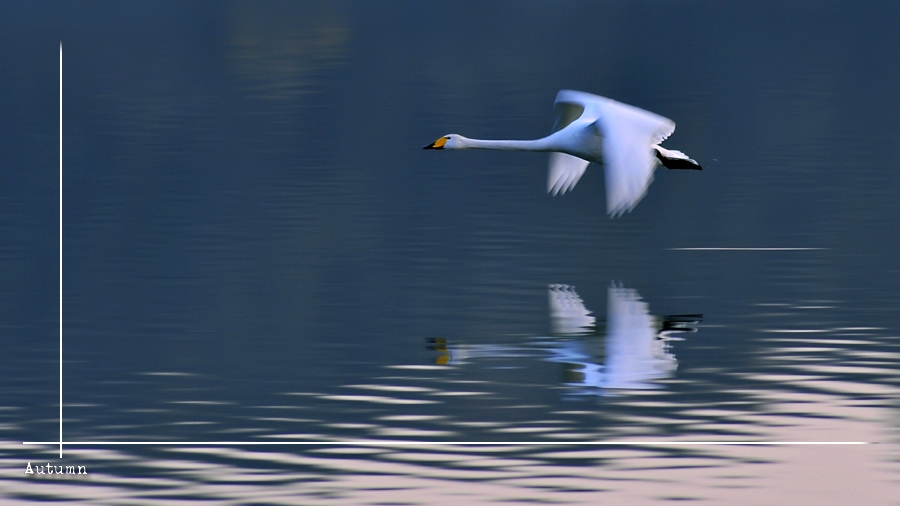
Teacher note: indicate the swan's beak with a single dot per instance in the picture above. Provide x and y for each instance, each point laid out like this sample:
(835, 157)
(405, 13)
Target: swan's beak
(438, 144)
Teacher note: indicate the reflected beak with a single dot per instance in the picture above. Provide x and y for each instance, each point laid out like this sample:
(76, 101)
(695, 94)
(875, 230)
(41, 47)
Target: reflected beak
(438, 144)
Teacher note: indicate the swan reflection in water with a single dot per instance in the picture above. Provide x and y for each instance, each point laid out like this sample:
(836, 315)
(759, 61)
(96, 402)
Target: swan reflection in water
(634, 355)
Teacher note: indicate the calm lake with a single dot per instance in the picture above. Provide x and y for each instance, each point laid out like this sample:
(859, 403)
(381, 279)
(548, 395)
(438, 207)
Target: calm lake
(257, 252)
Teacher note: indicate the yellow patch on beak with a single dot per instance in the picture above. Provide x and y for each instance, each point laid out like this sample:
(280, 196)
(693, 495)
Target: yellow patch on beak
(438, 144)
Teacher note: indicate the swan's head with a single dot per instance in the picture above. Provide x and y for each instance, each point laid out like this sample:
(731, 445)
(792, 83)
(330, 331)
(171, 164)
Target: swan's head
(449, 141)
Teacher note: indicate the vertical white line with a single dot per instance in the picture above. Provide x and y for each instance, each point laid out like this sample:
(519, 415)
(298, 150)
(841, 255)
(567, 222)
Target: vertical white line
(60, 252)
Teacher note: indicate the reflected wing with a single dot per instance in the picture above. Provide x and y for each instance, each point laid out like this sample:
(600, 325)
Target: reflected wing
(567, 312)
(565, 171)
(629, 135)
(633, 357)
(627, 315)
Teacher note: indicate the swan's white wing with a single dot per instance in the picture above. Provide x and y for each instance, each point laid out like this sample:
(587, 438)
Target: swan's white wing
(629, 135)
(565, 171)
(633, 357)
(629, 166)
(567, 110)
(567, 312)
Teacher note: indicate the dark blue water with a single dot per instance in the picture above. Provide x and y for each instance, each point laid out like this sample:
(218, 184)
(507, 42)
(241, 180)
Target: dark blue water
(256, 249)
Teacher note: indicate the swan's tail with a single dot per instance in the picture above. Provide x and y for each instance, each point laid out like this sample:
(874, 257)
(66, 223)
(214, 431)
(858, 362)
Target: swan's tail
(673, 159)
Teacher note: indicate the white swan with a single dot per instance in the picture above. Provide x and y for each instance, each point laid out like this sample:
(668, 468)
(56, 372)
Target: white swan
(590, 128)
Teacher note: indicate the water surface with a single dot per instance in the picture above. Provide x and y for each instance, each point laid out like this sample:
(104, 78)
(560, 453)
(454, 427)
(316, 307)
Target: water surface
(257, 249)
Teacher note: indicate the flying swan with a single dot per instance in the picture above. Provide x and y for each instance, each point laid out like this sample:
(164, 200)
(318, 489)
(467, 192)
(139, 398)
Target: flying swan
(590, 128)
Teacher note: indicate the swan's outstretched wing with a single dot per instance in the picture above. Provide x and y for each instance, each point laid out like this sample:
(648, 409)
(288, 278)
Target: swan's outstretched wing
(567, 109)
(633, 354)
(568, 316)
(629, 134)
(565, 170)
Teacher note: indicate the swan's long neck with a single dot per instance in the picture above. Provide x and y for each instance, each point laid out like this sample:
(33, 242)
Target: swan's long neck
(535, 145)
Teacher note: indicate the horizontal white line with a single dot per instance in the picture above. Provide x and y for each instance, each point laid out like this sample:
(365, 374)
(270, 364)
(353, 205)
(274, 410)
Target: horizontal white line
(747, 249)
(443, 443)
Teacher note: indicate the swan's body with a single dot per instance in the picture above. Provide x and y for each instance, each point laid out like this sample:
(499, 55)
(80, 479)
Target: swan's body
(590, 128)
